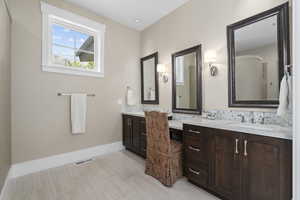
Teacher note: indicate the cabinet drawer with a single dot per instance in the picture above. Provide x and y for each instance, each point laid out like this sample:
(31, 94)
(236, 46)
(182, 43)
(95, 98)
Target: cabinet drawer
(195, 131)
(195, 149)
(195, 155)
(197, 141)
(197, 175)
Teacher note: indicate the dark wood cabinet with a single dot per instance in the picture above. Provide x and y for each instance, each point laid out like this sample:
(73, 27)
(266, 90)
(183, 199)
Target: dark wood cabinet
(196, 155)
(238, 166)
(266, 168)
(226, 164)
(230, 165)
(136, 134)
(132, 133)
(127, 131)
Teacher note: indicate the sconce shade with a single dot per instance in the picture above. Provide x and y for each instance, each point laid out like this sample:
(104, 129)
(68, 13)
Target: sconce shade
(161, 68)
(210, 57)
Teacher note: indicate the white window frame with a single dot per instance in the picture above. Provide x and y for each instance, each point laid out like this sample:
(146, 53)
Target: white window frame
(53, 15)
(180, 70)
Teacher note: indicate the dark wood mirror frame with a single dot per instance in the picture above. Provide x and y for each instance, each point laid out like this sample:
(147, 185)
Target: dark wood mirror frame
(282, 12)
(156, 101)
(198, 51)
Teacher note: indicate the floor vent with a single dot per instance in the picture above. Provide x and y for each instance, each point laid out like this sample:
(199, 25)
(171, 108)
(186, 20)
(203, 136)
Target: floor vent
(83, 162)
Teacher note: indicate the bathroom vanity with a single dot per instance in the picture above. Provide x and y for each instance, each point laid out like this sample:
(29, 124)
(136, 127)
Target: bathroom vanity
(236, 165)
(230, 160)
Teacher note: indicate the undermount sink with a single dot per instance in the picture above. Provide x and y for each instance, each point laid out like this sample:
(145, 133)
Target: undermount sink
(254, 126)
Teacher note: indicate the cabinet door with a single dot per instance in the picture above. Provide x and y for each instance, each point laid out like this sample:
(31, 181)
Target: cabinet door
(136, 134)
(266, 168)
(127, 132)
(226, 166)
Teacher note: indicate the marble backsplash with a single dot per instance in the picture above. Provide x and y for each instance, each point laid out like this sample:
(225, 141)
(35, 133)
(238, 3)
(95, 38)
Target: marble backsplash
(256, 117)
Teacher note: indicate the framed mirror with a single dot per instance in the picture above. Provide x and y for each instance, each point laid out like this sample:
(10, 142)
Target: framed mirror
(149, 86)
(187, 83)
(258, 51)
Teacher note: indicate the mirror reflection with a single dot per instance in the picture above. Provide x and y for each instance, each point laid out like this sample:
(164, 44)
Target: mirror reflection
(186, 81)
(149, 80)
(187, 87)
(256, 61)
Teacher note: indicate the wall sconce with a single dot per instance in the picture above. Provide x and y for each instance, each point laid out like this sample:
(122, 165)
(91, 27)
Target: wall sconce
(211, 58)
(161, 69)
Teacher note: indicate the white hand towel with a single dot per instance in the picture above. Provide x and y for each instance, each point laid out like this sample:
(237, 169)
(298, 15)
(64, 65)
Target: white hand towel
(283, 97)
(78, 113)
(290, 96)
(130, 97)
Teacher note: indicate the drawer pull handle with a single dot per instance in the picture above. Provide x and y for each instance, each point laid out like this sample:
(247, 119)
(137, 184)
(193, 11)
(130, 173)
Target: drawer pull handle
(236, 146)
(194, 172)
(194, 149)
(197, 132)
(245, 148)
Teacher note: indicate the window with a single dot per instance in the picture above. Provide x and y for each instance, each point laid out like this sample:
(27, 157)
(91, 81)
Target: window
(180, 70)
(71, 44)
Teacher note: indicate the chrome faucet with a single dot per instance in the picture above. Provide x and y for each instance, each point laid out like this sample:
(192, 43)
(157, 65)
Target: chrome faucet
(252, 121)
(242, 118)
(263, 120)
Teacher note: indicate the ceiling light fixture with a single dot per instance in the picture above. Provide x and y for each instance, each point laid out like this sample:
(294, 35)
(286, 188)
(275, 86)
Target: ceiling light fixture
(137, 20)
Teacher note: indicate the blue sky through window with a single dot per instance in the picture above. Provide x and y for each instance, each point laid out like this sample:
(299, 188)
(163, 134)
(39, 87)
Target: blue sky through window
(66, 42)
(68, 37)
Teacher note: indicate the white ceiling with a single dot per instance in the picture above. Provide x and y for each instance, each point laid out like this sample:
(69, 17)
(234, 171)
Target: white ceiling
(127, 12)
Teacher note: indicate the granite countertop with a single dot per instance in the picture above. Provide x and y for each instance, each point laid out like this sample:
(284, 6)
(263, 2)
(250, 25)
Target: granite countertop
(139, 114)
(256, 129)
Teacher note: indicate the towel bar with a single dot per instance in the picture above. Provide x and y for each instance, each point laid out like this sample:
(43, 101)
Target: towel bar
(69, 94)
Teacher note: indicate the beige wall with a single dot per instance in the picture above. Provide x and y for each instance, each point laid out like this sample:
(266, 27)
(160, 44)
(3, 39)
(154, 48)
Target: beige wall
(41, 119)
(5, 132)
(200, 22)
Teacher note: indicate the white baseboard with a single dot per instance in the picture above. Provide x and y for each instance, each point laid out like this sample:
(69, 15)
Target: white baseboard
(22, 169)
(2, 192)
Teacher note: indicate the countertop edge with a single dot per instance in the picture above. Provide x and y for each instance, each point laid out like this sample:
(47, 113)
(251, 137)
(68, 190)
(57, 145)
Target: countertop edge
(276, 134)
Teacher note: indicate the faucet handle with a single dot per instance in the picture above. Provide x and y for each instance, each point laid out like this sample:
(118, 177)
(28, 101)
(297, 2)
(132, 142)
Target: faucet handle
(263, 120)
(242, 118)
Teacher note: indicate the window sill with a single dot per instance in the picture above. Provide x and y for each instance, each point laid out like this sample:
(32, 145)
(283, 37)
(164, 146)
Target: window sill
(69, 71)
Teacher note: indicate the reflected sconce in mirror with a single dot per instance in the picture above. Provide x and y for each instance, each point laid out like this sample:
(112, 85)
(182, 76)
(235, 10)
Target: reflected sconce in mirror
(162, 70)
(211, 58)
